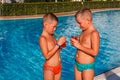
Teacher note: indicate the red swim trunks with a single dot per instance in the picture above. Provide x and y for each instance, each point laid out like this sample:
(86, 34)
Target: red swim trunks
(54, 69)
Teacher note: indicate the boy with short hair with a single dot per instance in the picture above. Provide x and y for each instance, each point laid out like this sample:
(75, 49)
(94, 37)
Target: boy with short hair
(51, 48)
(87, 46)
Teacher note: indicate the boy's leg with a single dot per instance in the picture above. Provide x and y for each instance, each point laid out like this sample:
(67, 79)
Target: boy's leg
(77, 74)
(48, 75)
(88, 75)
(58, 76)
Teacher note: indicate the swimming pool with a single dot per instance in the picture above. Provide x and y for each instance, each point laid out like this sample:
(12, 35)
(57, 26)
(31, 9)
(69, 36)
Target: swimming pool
(21, 58)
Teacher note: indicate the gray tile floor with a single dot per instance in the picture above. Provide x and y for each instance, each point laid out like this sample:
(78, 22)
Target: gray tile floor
(110, 75)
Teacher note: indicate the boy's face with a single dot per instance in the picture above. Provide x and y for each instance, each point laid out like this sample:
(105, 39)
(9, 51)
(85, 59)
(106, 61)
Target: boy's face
(82, 23)
(50, 27)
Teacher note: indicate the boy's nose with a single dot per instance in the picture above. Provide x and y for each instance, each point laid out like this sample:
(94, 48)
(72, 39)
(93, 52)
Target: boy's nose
(54, 29)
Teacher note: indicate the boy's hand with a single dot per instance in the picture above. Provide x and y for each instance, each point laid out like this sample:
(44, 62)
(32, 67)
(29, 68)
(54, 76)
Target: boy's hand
(75, 42)
(61, 40)
(75, 37)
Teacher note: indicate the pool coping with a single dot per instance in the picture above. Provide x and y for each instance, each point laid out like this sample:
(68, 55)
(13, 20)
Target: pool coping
(58, 14)
(113, 74)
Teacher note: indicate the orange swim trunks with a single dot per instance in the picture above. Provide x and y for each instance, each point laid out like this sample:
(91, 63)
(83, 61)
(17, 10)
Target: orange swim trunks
(54, 69)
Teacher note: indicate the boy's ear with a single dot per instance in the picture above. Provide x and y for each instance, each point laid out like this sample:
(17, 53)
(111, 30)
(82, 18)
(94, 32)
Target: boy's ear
(45, 23)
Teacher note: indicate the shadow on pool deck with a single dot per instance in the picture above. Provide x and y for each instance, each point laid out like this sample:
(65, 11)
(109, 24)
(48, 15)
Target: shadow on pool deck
(113, 74)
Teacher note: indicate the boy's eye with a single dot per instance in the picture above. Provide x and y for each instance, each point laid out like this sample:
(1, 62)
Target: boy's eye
(54, 26)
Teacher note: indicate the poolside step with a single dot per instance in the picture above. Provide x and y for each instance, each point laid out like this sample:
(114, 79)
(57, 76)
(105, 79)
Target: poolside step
(113, 74)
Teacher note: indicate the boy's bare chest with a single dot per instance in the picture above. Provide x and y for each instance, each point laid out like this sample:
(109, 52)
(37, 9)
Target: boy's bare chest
(85, 40)
(51, 43)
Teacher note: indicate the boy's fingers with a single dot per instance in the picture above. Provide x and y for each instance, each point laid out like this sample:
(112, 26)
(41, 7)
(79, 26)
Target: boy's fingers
(71, 43)
(73, 40)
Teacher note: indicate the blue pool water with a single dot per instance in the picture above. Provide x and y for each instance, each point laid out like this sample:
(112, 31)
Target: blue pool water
(21, 57)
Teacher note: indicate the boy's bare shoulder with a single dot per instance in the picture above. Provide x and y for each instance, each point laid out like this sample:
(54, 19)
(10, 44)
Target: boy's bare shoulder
(42, 38)
(95, 33)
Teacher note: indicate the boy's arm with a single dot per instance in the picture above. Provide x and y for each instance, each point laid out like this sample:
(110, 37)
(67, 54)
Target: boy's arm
(44, 47)
(93, 51)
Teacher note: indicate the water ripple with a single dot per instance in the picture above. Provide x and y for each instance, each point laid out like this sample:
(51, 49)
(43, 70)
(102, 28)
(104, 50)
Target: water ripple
(21, 57)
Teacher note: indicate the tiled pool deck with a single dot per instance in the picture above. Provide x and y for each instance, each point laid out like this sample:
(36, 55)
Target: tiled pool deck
(113, 74)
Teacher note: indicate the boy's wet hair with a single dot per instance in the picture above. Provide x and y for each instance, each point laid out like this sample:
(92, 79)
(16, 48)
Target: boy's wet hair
(84, 12)
(49, 17)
